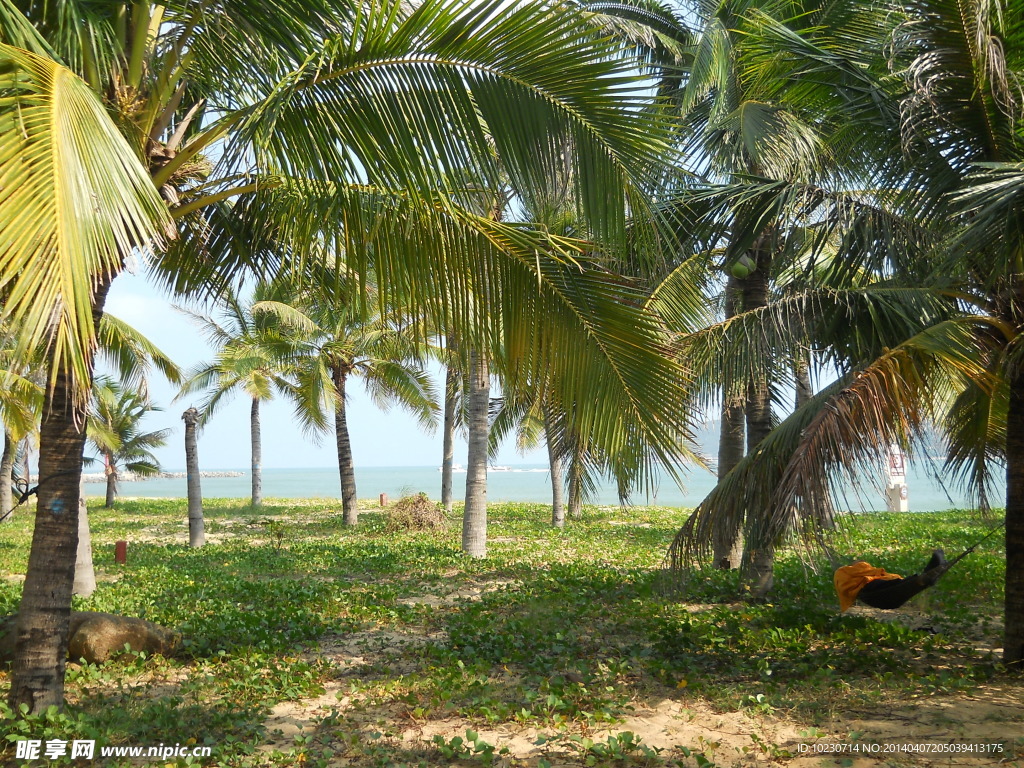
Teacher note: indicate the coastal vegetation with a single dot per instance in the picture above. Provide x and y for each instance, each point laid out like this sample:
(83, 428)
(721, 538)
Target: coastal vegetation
(314, 643)
(158, 91)
(608, 219)
(115, 431)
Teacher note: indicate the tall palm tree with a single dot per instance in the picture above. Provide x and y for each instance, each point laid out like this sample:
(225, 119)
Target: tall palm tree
(727, 130)
(253, 354)
(934, 126)
(339, 344)
(450, 420)
(227, 100)
(196, 522)
(116, 433)
(478, 414)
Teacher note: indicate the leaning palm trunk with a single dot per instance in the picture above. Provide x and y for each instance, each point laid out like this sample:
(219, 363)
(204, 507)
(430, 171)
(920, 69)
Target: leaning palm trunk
(1013, 640)
(257, 453)
(7, 478)
(802, 376)
(346, 462)
(760, 551)
(85, 573)
(196, 523)
(451, 402)
(474, 521)
(727, 542)
(557, 479)
(41, 635)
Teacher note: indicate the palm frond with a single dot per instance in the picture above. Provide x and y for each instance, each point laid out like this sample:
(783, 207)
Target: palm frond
(75, 201)
(133, 354)
(814, 453)
(489, 87)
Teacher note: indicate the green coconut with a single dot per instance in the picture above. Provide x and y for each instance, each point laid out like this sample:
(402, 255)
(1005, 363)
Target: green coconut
(742, 267)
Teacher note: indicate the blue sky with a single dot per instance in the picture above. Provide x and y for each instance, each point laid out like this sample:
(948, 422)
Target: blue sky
(378, 439)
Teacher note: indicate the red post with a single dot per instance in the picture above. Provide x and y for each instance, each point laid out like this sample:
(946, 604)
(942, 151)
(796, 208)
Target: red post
(121, 552)
(383, 499)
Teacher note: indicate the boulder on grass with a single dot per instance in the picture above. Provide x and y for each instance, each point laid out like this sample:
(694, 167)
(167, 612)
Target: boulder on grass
(96, 637)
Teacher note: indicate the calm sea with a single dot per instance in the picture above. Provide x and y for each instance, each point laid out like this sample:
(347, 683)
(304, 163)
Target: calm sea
(524, 483)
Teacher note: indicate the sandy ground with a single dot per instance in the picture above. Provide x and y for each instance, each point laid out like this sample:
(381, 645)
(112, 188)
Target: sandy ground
(920, 733)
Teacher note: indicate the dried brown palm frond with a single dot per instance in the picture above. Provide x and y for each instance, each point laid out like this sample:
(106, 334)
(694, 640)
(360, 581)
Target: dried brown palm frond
(778, 491)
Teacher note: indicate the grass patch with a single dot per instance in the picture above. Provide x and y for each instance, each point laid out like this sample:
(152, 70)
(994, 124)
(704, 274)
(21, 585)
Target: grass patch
(556, 634)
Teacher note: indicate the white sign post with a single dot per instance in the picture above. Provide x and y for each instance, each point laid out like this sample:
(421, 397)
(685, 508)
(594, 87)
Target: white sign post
(896, 480)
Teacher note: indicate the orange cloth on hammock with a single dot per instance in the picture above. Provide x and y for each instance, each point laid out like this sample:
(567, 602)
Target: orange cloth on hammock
(851, 579)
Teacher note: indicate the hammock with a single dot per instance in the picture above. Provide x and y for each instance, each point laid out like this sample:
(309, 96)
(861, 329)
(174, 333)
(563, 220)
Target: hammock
(887, 591)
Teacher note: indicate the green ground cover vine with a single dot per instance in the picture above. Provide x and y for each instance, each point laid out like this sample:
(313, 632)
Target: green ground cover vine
(558, 631)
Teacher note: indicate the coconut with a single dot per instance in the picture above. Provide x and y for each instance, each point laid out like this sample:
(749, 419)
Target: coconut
(742, 267)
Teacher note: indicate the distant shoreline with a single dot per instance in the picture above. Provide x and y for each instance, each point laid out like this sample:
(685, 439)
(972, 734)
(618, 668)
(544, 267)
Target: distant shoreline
(131, 477)
(522, 486)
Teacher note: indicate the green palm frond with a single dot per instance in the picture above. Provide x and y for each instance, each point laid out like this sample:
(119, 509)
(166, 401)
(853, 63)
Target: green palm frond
(976, 430)
(489, 87)
(411, 388)
(650, 30)
(133, 354)
(851, 324)
(21, 389)
(115, 429)
(75, 201)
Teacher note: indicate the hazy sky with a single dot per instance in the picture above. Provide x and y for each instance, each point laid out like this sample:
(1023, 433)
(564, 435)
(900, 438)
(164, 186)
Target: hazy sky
(378, 439)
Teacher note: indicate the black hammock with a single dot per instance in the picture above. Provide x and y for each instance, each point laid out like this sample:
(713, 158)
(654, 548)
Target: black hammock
(893, 593)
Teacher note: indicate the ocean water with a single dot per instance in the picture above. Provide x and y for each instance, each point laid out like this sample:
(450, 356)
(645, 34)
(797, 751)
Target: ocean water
(530, 483)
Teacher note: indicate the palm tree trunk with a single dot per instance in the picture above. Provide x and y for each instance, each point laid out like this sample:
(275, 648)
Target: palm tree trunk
(26, 462)
(557, 477)
(474, 521)
(824, 511)
(1013, 639)
(196, 523)
(257, 453)
(761, 557)
(111, 470)
(451, 402)
(85, 573)
(7, 479)
(802, 374)
(41, 639)
(575, 485)
(44, 615)
(727, 539)
(346, 463)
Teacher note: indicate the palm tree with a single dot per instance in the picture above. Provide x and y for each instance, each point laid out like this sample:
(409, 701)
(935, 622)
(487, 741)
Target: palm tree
(725, 131)
(196, 523)
(259, 87)
(341, 343)
(924, 326)
(451, 418)
(253, 355)
(478, 407)
(115, 432)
